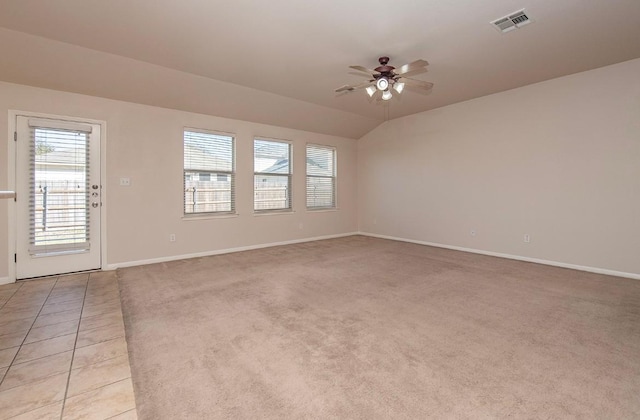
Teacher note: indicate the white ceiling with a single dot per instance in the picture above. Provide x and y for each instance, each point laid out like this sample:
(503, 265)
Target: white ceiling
(302, 50)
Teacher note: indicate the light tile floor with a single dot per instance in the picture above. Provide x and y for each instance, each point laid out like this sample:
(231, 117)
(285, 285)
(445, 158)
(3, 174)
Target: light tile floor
(63, 353)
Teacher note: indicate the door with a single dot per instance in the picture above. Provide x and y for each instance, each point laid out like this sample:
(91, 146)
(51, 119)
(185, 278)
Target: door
(58, 197)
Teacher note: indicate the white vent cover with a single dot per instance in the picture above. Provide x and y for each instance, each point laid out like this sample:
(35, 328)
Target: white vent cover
(511, 22)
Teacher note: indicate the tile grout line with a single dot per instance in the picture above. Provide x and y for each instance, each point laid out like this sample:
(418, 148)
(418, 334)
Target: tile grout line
(62, 335)
(119, 414)
(11, 297)
(48, 325)
(58, 373)
(101, 341)
(25, 337)
(31, 411)
(101, 361)
(103, 326)
(73, 354)
(102, 386)
(37, 380)
(41, 357)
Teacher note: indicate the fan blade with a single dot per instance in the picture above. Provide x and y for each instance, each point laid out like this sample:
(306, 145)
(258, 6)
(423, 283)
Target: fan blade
(355, 73)
(347, 88)
(344, 88)
(414, 72)
(364, 85)
(364, 69)
(416, 83)
(411, 66)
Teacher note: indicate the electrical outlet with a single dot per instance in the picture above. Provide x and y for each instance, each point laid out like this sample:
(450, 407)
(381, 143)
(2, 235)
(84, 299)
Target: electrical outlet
(172, 237)
(473, 232)
(527, 238)
(125, 182)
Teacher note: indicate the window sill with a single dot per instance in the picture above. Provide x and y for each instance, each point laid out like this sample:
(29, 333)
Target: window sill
(273, 213)
(189, 218)
(323, 210)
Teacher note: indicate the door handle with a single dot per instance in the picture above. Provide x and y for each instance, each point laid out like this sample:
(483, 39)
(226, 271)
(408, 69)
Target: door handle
(94, 204)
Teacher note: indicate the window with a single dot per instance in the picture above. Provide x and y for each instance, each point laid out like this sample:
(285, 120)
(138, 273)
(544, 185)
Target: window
(321, 177)
(209, 173)
(272, 175)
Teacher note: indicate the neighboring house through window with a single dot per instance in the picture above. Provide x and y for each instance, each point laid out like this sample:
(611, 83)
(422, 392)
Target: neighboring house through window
(272, 175)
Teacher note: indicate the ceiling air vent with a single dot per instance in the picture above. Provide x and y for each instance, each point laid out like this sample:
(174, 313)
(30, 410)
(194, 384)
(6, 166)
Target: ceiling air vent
(511, 22)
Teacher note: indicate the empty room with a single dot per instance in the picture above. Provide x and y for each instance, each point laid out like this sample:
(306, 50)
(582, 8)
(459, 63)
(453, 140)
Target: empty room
(319, 210)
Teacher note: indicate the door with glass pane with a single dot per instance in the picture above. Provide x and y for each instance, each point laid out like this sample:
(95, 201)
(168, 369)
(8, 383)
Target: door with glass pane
(58, 200)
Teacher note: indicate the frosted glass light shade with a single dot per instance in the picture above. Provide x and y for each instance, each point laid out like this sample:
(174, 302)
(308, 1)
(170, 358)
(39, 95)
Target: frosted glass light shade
(398, 86)
(382, 83)
(386, 95)
(371, 90)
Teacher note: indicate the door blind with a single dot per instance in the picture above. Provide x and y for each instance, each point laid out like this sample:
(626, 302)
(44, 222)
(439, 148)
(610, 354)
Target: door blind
(59, 188)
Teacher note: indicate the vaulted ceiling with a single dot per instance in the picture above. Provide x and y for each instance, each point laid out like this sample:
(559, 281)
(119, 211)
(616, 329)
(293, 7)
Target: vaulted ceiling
(279, 62)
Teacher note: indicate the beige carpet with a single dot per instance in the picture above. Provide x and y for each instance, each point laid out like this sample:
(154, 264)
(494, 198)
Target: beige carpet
(364, 328)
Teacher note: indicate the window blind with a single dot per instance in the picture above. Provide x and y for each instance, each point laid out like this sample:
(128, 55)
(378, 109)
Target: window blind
(321, 177)
(209, 172)
(272, 175)
(59, 188)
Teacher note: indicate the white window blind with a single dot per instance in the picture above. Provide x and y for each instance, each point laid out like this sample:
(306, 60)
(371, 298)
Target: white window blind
(321, 177)
(59, 188)
(209, 172)
(272, 175)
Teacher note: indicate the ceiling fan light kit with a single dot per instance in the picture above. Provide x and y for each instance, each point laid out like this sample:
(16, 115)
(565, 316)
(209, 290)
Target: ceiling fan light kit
(384, 77)
(371, 90)
(382, 83)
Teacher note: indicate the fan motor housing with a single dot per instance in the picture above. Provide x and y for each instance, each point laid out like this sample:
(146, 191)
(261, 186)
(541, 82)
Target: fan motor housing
(384, 69)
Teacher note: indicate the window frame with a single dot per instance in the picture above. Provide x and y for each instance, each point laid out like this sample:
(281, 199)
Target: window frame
(333, 177)
(231, 174)
(289, 176)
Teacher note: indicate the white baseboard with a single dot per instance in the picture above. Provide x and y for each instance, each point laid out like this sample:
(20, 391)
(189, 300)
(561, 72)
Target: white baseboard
(5, 280)
(222, 251)
(511, 257)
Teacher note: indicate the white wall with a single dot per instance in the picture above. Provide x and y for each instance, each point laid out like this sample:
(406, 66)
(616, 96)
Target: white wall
(145, 144)
(559, 160)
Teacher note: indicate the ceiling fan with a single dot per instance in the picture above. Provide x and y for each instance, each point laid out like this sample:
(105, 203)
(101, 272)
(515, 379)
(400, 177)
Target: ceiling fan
(385, 77)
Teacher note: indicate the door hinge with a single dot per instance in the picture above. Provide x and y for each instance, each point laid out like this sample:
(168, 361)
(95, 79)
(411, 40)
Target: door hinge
(15, 136)
(15, 258)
